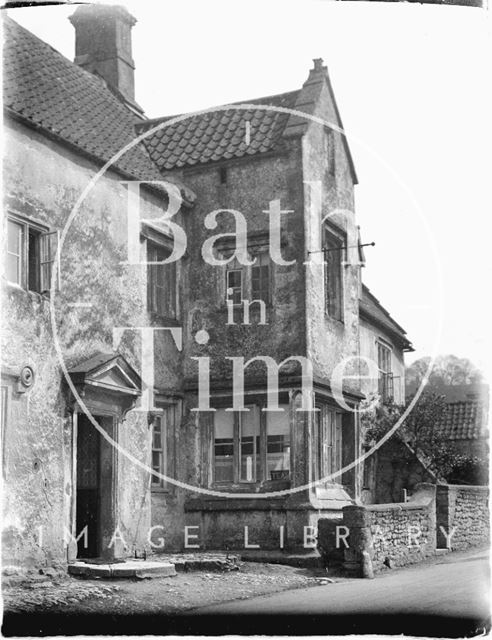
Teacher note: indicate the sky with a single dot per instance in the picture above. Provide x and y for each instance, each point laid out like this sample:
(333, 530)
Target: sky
(412, 84)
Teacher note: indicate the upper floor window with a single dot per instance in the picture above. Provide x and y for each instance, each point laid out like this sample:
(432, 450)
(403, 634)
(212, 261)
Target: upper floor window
(161, 281)
(260, 278)
(333, 257)
(330, 142)
(385, 382)
(234, 285)
(31, 252)
(249, 282)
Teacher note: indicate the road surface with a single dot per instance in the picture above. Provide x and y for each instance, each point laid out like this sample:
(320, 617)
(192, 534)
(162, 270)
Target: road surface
(449, 597)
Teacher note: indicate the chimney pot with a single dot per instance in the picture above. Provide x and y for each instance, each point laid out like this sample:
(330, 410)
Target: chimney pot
(318, 64)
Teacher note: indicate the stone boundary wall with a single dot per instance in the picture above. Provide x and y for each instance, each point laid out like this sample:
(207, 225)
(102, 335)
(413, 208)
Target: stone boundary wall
(462, 516)
(390, 534)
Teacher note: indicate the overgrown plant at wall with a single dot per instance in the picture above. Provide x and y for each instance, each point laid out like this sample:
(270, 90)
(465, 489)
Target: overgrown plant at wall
(420, 435)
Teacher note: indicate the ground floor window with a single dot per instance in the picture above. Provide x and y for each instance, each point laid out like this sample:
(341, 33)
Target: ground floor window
(251, 446)
(162, 439)
(326, 443)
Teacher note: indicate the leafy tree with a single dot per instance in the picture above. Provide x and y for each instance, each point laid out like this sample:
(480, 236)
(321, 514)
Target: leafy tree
(446, 370)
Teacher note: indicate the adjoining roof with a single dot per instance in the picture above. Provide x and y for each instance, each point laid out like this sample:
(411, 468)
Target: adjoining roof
(463, 420)
(373, 310)
(230, 133)
(44, 89)
(218, 135)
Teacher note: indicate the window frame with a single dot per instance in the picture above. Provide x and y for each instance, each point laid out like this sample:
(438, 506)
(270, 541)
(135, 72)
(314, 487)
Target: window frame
(32, 278)
(261, 475)
(247, 277)
(167, 415)
(162, 307)
(230, 296)
(336, 242)
(386, 376)
(331, 152)
(326, 444)
(262, 256)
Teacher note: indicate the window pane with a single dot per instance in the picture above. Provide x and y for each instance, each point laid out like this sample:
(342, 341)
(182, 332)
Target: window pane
(161, 287)
(337, 462)
(234, 279)
(260, 284)
(14, 252)
(278, 444)
(249, 444)
(157, 434)
(333, 275)
(157, 467)
(13, 269)
(14, 237)
(315, 446)
(33, 261)
(224, 446)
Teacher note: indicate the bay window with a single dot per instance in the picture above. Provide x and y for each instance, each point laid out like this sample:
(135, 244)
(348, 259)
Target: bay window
(251, 446)
(326, 444)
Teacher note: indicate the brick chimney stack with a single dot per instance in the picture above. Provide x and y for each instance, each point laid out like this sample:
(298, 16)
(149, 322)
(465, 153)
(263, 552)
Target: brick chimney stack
(103, 45)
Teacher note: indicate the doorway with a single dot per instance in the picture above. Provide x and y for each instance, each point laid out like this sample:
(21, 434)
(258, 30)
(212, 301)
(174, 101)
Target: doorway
(95, 488)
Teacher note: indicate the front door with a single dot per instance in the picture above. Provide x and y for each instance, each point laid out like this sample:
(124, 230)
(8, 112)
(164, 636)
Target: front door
(95, 488)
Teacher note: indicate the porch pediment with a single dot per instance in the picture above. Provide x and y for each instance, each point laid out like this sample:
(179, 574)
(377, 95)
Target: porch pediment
(109, 372)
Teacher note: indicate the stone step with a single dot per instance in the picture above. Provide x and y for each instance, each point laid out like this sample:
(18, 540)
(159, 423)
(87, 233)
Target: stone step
(308, 560)
(128, 569)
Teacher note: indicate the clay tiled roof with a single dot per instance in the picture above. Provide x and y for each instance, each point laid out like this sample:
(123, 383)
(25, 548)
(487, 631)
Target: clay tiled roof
(53, 94)
(373, 310)
(463, 420)
(218, 135)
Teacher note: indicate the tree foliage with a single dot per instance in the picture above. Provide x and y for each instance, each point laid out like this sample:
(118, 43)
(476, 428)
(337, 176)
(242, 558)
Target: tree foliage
(421, 432)
(446, 370)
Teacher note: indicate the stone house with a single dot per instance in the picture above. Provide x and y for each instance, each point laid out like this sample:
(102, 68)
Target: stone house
(91, 436)
(62, 124)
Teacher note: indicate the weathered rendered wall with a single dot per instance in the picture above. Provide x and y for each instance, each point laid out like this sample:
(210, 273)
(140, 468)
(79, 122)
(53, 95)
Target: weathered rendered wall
(463, 518)
(251, 185)
(329, 341)
(42, 181)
